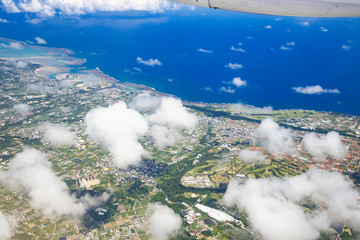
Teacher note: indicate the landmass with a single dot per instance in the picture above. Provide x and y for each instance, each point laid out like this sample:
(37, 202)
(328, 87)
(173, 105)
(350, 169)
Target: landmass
(190, 177)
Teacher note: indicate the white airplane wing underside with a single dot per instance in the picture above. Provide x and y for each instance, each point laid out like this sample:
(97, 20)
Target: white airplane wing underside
(306, 8)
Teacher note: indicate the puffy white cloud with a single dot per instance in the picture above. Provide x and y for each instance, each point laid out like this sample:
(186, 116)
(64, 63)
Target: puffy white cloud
(282, 47)
(57, 134)
(317, 89)
(330, 145)
(12, 65)
(278, 140)
(171, 112)
(38, 87)
(227, 89)
(163, 222)
(248, 156)
(13, 45)
(323, 29)
(234, 66)
(204, 50)
(345, 47)
(238, 82)
(305, 24)
(47, 193)
(118, 129)
(40, 40)
(268, 27)
(2, 20)
(251, 109)
(46, 8)
(145, 102)
(22, 108)
(66, 84)
(167, 119)
(164, 136)
(239, 49)
(150, 62)
(273, 204)
(5, 229)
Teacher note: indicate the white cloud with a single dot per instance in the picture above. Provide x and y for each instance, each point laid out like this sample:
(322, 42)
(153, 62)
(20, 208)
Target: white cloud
(145, 102)
(282, 47)
(273, 204)
(13, 45)
(317, 89)
(22, 108)
(234, 66)
(268, 27)
(346, 47)
(40, 40)
(66, 84)
(290, 44)
(226, 89)
(2, 20)
(305, 24)
(330, 145)
(208, 89)
(278, 19)
(31, 170)
(163, 222)
(251, 109)
(239, 49)
(46, 8)
(172, 113)
(238, 82)
(150, 62)
(204, 50)
(57, 134)
(39, 87)
(323, 29)
(248, 156)
(118, 129)
(167, 119)
(278, 140)
(5, 228)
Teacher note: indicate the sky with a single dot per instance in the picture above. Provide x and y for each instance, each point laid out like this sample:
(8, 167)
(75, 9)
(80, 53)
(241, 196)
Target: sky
(204, 55)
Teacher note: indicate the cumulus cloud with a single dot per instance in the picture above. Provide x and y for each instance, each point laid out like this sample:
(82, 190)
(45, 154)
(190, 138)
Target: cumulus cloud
(274, 204)
(278, 140)
(5, 229)
(12, 65)
(31, 170)
(234, 66)
(163, 222)
(251, 109)
(118, 129)
(227, 89)
(40, 40)
(239, 49)
(345, 47)
(305, 24)
(238, 82)
(38, 87)
(248, 156)
(167, 119)
(2, 20)
(317, 89)
(320, 147)
(145, 102)
(46, 8)
(204, 50)
(13, 45)
(57, 134)
(66, 84)
(22, 108)
(171, 112)
(268, 27)
(150, 62)
(323, 29)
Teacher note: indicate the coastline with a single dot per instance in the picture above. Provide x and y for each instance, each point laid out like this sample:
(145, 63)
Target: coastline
(62, 63)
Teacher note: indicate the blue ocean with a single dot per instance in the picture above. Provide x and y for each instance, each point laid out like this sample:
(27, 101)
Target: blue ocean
(273, 54)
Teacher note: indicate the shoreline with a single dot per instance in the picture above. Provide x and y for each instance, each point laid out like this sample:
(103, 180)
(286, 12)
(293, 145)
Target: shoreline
(69, 62)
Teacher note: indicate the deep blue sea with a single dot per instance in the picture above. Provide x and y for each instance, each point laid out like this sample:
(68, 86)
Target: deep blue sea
(316, 51)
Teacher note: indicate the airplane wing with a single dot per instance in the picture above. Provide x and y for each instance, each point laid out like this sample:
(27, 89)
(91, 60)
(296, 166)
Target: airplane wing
(304, 8)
